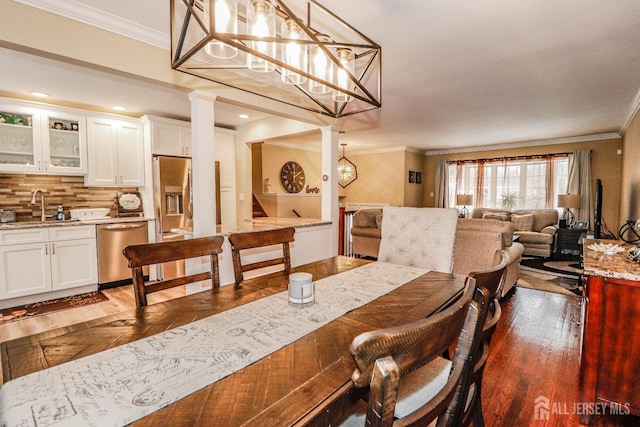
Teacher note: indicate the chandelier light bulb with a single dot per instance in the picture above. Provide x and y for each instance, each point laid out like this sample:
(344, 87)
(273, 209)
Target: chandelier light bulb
(346, 58)
(320, 67)
(293, 53)
(261, 22)
(225, 19)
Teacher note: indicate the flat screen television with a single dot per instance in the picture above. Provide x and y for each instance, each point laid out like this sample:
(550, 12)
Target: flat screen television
(598, 211)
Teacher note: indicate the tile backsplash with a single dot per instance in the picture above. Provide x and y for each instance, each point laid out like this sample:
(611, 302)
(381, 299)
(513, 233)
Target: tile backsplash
(68, 191)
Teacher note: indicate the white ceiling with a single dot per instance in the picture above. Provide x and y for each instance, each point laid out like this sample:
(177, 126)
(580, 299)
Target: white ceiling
(456, 73)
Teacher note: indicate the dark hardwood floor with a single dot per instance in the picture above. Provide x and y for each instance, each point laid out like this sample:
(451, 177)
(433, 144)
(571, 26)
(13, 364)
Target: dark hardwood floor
(534, 354)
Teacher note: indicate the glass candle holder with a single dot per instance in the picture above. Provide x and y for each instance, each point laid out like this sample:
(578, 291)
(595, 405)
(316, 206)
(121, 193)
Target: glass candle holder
(301, 289)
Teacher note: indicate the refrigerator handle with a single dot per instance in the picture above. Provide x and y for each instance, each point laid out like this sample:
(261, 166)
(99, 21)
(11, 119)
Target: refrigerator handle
(190, 186)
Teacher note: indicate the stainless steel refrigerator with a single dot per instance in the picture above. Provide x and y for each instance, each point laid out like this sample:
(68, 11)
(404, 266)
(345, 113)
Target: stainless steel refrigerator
(173, 194)
(173, 202)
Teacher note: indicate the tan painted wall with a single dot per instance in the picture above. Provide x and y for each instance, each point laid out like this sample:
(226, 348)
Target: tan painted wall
(630, 183)
(381, 178)
(268, 161)
(413, 191)
(606, 164)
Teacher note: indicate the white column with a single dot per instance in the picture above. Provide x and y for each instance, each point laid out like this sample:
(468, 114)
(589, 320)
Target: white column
(330, 209)
(203, 163)
(203, 179)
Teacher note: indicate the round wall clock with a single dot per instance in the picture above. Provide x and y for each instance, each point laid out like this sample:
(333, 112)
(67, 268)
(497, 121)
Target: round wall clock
(292, 177)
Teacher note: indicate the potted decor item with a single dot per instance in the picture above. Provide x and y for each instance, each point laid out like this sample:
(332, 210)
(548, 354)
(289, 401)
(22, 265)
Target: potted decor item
(510, 200)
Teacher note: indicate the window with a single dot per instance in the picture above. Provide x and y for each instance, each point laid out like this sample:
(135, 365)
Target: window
(510, 184)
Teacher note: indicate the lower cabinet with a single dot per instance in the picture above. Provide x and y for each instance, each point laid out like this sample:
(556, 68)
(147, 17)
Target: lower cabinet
(46, 259)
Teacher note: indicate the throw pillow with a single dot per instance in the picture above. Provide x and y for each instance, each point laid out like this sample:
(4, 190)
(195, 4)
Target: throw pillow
(379, 221)
(522, 222)
(494, 215)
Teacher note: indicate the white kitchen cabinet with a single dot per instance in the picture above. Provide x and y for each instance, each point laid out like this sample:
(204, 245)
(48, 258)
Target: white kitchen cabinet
(169, 137)
(115, 153)
(46, 259)
(36, 138)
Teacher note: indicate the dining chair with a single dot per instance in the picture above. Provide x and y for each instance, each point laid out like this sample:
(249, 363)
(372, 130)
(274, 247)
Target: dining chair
(161, 252)
(418, 237)
(242, 242)
(468, 401)
(408, 382)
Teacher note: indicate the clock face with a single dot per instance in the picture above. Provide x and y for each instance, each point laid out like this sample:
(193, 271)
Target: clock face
(292, 177)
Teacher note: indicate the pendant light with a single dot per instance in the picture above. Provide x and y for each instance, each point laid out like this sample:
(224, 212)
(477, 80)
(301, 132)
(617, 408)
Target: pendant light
(347, 171)
(261, 22)
(224, 17)
(322, 63)
(292, 53)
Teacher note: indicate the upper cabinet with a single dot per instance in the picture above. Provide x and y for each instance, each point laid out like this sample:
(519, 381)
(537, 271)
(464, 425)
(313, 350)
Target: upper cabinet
(116, 152)
(41, 140)
(169, 137)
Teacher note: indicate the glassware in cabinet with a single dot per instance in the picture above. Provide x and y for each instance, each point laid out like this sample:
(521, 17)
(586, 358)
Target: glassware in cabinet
(65, 150)
(16, 139)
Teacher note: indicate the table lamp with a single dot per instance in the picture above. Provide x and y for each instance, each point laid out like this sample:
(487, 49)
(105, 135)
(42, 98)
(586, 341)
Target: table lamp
(568, 202)
(464, 200)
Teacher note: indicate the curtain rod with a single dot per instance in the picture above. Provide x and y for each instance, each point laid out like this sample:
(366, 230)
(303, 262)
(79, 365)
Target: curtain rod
(509, 158)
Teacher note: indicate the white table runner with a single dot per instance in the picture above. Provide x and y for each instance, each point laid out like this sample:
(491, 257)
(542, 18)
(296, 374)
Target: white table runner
(123, 384)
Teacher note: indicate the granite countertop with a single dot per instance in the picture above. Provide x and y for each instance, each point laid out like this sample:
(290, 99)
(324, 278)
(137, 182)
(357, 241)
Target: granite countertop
(69, 222)
(259, 224)
(616, 266)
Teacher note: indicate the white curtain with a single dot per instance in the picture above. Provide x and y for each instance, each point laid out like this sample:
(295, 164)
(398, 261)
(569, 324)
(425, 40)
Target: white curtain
(580, 183)
(442, 184)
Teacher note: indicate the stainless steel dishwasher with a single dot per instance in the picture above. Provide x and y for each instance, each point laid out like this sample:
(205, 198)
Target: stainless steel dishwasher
(113, 269)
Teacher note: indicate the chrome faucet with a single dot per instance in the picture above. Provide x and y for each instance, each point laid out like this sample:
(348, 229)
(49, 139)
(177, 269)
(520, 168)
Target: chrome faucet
(33, 202)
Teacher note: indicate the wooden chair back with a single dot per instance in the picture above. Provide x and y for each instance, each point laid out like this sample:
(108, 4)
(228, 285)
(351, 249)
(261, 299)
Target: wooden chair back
(468, 403)
(257, 239)
(161, 252)
(382, 357)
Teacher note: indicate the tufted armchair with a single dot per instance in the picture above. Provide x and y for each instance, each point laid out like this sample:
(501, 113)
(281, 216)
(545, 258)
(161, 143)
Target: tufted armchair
(419, 237)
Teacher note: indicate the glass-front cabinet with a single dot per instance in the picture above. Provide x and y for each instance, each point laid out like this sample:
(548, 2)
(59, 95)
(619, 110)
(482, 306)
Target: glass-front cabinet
(17, 145)
(36, 140)
(64, 144)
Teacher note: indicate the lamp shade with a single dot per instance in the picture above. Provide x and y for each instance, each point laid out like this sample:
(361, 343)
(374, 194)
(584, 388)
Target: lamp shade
(569, 201)
(464, 199)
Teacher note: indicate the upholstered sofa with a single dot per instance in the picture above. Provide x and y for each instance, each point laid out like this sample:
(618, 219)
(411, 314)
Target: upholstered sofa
(366, 232)
(475, 246)
(478, 241)
(536, 228)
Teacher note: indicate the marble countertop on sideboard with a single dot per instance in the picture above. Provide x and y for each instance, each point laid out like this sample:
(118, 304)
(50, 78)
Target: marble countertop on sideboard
(616, 266)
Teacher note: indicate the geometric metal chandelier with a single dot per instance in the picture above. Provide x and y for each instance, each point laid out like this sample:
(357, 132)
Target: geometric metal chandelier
(296, 52)
(347, 171)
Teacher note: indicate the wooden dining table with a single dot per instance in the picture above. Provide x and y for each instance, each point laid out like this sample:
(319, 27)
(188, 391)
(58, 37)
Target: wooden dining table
(307, 382)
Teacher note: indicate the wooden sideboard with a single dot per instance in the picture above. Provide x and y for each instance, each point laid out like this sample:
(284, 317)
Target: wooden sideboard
(610, 356)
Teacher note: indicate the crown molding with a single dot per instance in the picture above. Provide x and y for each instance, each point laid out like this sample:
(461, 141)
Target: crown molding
(383, 150)
(510, 145)
(631, 113)
(80, 12)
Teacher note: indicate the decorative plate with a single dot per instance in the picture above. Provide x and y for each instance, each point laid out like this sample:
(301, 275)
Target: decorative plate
(129, 204)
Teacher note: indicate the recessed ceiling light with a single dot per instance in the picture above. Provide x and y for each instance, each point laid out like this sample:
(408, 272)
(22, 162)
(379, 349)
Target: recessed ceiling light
(39, 94)
(119, 108)
(244, 116)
